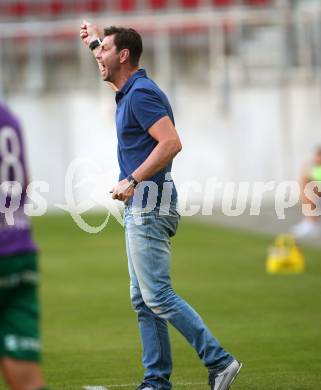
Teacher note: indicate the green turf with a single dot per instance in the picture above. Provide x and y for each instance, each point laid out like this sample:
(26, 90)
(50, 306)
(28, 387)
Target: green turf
(271, 323)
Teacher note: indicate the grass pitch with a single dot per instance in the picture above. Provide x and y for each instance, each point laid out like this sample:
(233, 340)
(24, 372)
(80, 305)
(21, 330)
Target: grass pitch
(271, 323)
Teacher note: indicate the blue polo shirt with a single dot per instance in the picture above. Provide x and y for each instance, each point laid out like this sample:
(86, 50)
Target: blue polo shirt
(140, 104)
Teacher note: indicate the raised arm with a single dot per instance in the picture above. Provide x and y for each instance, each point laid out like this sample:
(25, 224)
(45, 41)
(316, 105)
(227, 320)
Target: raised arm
(88, 33)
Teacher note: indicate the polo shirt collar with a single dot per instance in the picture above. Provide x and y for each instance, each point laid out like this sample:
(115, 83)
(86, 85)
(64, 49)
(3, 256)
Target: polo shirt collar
(126, 87)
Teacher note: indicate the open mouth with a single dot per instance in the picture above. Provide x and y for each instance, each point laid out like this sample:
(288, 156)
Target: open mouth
(102, 67)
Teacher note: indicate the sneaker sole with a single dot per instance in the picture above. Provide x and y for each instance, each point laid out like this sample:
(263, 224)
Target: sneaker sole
(234, 377)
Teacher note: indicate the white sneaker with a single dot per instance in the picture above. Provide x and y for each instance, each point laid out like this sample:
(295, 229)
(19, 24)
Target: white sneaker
(224, 379)
(145, 386)
(306, 228)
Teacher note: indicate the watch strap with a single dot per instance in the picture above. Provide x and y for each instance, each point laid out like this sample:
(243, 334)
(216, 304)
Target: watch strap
(95, 43)
(132, 181)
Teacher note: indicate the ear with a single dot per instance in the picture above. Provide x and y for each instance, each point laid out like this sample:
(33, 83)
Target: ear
(124, 55)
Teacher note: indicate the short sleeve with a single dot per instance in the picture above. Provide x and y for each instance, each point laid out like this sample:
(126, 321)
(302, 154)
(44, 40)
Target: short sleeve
(147, 107)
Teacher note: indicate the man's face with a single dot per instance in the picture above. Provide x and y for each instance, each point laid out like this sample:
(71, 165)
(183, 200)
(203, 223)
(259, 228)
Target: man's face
(108, 59)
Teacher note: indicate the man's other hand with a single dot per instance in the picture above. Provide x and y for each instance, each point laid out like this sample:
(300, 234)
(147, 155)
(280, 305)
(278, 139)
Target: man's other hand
(123, 191)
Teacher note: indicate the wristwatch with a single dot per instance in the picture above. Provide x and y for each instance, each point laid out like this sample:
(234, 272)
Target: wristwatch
(132, 182)
(94, 44)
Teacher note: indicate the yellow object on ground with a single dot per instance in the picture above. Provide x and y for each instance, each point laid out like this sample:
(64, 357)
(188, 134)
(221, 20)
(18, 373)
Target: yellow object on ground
(285, 257)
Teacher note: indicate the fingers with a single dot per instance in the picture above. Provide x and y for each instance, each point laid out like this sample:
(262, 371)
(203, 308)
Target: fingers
(116, 196)
(113, 193)
(120, 196)
(119, 193)
(88, 31)
(83, 32)
(83, 29)
(84, 24)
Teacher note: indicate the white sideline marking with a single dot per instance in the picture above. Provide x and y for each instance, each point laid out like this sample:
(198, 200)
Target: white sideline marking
(95, 388)
(135, 384)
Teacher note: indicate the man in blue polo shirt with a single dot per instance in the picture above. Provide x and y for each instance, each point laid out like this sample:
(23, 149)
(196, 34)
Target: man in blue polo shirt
(147, 144)
(140, 104)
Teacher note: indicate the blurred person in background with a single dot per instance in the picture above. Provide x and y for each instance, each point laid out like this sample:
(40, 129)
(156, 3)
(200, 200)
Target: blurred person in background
(19, 306)
(310, 225)
(147, 144)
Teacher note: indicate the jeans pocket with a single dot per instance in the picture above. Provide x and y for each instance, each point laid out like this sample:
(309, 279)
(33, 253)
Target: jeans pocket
(169, 223)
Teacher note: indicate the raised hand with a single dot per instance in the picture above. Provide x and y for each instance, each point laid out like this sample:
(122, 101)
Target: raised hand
(88, 32)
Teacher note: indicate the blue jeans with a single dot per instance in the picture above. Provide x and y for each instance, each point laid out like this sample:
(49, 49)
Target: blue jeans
(156, 303)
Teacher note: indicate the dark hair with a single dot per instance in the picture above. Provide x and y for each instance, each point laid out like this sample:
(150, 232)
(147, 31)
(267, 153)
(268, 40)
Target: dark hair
(127, 38)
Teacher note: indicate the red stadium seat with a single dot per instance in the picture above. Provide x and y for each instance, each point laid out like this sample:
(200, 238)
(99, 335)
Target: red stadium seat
(4, 11)
(56, 7)
(127, 5)
(78, 6)
(223, 3)
(18, 9)
(38, 8)
(190, 3)
(158, 4)
(257, 3)
(95, 5)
